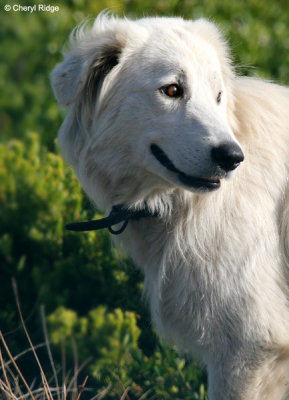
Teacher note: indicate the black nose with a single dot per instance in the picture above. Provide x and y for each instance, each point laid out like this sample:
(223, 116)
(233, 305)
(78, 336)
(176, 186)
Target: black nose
(228, 155)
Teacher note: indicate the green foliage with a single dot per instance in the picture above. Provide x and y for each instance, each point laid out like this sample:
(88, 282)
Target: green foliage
(38, 193)
(109, 336)
(92, 292)
(119, 362)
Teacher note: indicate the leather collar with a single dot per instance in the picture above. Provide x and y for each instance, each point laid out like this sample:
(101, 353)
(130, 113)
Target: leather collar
(118, 214)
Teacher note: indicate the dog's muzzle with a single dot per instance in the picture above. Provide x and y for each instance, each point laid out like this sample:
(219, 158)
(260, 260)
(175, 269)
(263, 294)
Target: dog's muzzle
(226, 157)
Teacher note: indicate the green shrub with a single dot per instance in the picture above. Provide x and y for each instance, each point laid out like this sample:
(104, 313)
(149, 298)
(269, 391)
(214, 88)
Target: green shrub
(38, 195)
(119, 362)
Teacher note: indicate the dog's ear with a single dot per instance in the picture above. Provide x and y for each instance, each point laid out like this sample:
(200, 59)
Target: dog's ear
(68, 79)
(85, 67)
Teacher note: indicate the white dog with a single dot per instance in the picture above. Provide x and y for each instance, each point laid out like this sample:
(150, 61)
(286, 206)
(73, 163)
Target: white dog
(157, 123)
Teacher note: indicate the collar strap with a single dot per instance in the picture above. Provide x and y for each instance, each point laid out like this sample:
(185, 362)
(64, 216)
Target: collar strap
(118, 214)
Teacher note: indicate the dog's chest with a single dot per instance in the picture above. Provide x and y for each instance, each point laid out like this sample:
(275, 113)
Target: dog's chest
(201, 285)
(190, 286)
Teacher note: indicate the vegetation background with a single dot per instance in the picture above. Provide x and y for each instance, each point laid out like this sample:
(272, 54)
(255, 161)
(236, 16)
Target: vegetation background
(91, 294)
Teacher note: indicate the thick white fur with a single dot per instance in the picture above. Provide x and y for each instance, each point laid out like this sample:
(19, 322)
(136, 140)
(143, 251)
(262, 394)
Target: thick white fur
(215, 263)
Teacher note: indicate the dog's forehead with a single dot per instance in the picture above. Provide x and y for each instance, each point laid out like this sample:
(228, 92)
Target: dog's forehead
(173, 49)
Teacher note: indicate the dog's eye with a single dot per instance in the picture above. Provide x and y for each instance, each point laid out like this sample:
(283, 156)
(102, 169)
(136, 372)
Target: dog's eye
(173, 90)
(219, 97)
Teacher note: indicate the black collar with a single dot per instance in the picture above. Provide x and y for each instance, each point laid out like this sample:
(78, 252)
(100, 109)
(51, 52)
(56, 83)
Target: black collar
(118, 214)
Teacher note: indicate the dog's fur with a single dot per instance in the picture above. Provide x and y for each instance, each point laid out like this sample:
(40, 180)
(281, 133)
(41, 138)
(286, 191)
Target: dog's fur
(215, 262)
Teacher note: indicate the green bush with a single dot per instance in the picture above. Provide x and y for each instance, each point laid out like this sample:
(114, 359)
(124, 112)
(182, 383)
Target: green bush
(119, 362)
(38, 194)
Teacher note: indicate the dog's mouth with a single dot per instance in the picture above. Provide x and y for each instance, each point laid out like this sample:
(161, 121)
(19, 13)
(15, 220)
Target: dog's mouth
(187, 180)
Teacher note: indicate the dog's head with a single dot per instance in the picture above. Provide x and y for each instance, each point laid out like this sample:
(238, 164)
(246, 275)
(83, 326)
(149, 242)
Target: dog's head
(148, 108)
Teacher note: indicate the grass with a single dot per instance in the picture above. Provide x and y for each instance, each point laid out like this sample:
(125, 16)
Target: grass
(14, 386)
